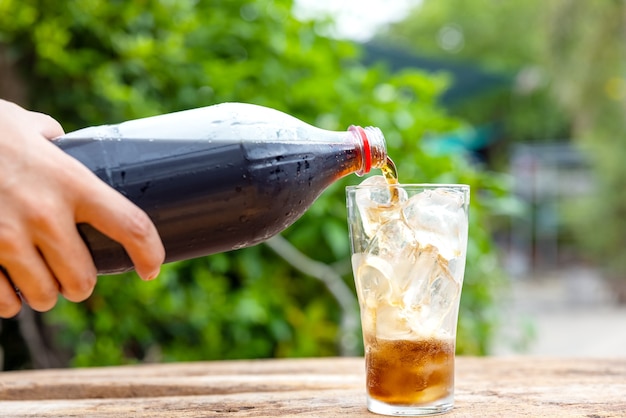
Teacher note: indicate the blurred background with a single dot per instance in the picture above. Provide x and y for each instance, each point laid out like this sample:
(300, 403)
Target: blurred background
(523, 101)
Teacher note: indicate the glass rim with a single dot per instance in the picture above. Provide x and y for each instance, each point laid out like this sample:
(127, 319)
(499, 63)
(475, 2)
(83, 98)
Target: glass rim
(409, 185)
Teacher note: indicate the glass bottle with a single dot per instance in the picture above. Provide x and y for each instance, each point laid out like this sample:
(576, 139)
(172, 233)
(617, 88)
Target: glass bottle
(217, 178)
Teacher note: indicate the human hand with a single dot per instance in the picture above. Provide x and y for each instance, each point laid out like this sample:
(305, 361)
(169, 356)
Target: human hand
(44, 193)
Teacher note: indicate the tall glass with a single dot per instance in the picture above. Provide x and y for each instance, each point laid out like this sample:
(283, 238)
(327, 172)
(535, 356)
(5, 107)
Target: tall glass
(409, 244)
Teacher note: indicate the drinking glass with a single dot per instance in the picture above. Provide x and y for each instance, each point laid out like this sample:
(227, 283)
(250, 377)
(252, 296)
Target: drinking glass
(409, 244)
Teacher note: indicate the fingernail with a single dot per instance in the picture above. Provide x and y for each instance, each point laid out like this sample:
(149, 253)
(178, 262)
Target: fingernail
(152, 275)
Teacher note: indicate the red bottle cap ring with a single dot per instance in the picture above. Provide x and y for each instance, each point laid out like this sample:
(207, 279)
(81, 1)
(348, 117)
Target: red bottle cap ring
(367, 152)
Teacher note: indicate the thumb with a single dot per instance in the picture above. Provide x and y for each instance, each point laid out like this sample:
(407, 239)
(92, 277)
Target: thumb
(46, 125)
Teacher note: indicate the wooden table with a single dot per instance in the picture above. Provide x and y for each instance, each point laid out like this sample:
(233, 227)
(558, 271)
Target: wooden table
(325, 387)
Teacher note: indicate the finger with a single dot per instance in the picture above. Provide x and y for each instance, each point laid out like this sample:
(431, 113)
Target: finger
(10, 302)
(31, 275)
(68, 259)
(46, 125)
(121, 220)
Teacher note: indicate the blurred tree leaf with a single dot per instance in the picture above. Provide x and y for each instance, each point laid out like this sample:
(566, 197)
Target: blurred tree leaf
(503, 37)
(96, 61)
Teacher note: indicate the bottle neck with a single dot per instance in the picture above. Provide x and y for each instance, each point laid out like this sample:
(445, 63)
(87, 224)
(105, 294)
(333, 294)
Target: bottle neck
(372, 147)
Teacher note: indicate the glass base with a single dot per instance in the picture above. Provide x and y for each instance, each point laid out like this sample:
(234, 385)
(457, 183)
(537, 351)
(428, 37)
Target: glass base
(434, 408)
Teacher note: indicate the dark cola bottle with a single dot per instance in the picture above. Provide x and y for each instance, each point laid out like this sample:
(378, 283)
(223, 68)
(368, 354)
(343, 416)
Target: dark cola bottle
(217, 178)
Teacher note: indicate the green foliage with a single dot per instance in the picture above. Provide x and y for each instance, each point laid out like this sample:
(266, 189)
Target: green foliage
(587, 49)
(96, 61)
(474, 29)
(501, 36)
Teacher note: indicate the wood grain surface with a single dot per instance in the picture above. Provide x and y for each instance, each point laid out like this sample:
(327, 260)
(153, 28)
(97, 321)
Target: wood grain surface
(323, 387)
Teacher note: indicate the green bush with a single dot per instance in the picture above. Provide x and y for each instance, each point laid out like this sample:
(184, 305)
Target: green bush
(95, 61)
